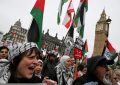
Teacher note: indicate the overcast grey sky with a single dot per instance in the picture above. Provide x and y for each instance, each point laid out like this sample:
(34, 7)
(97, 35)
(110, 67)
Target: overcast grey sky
(13, 10)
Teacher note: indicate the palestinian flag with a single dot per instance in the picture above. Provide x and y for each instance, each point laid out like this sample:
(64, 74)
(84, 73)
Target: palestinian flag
(60, 10)
(85, 47)
(110, 52)
(85, 59)
(118, 61)
(35, 31)
(69, 40)
(79, 20)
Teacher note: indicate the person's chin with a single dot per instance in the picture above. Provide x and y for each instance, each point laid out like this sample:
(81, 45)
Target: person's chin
(29, 76)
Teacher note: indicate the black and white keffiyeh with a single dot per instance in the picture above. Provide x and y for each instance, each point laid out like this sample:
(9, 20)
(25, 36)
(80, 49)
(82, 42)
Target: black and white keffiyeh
(4, 71)
(14, 50)
(64, 73)
(17, 49)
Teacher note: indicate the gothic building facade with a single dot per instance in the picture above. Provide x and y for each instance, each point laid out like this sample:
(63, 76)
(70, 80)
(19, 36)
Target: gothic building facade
(16, 34)
(53, 43)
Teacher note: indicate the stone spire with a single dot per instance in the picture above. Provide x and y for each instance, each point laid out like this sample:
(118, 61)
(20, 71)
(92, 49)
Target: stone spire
(103, 16)
(56, 35)
(18, 23)
(47, 32)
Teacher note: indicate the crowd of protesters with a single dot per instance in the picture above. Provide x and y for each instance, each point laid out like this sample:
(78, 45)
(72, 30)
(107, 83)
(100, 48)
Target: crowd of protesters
(25, 63)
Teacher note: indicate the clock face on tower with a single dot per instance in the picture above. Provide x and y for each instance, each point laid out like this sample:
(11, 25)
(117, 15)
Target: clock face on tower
(99, 27)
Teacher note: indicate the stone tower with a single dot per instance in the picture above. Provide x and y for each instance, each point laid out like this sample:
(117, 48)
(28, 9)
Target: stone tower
(16, 34)
(101, 34)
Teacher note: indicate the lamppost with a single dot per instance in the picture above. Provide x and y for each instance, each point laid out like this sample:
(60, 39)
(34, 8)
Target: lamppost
(108, 21)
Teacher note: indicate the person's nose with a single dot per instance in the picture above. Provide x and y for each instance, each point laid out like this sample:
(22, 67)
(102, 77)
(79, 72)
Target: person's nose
(35, 61)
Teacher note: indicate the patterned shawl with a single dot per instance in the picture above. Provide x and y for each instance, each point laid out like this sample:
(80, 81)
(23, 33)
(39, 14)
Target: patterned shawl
(64, 73)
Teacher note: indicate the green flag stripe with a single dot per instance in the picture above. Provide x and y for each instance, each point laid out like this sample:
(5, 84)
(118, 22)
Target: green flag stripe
(38, 16)
(86, 7)
(60, 10)
(81, 31)
(65, 1)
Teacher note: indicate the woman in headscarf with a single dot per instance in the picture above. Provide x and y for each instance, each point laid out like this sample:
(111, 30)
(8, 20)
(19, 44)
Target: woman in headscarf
(21, 63)
(38, 68)
(63, 71)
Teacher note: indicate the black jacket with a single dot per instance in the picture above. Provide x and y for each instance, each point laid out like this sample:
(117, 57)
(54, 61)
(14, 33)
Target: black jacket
(49, 70)
(87, 79)
(34, 79)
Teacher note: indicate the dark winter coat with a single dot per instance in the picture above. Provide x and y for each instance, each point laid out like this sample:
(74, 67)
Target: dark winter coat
(34, 79)
(87, 80)
(49, 70)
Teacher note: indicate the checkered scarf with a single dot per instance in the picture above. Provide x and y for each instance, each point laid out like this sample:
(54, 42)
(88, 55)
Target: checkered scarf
(14, 51)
